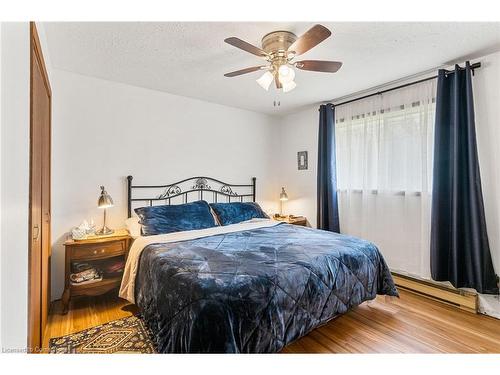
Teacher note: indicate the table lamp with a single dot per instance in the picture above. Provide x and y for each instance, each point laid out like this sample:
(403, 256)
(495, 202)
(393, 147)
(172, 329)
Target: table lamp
(105, 201)
(283, 197)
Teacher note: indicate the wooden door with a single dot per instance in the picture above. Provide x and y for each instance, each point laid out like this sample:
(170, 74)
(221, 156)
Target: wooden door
(40, 144)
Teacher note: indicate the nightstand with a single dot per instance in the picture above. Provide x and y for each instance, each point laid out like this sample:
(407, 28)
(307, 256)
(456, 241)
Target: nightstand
(94, 251)
(294, 220)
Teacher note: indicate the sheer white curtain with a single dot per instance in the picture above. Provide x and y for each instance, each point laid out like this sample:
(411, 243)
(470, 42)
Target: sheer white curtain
(384, 169)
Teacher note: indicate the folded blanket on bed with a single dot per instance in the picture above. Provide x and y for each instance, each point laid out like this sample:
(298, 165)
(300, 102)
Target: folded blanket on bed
(251, 290)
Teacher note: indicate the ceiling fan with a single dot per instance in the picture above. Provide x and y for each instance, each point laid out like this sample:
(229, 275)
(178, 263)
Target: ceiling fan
(279, 49)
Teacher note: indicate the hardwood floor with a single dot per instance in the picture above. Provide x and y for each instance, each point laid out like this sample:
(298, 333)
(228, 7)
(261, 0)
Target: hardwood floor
(411, 324)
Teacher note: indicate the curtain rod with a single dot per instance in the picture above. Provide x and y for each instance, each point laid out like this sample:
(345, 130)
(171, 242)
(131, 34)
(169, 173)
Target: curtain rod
(473, 66)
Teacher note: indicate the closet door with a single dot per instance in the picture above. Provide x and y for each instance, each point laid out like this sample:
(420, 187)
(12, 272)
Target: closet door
(35, 253)
(39, 251)
(46, 242)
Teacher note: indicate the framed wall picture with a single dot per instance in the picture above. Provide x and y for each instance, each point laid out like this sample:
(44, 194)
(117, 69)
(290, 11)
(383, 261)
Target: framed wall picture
(302, 160)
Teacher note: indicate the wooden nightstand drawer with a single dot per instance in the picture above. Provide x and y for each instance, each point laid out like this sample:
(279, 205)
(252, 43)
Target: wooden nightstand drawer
(98, 250)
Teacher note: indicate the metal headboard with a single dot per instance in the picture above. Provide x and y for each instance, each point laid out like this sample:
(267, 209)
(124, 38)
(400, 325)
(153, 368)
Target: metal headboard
(206, 188)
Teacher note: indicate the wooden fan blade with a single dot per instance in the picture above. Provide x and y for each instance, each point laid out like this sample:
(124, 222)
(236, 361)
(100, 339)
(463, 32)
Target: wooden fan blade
(314, 36)
(277, 81)
(241, 44)
(244, 71)
(319, 66)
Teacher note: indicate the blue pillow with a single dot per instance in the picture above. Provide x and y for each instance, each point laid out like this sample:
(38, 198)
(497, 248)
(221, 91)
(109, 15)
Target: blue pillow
(175, 218)
(232, 213)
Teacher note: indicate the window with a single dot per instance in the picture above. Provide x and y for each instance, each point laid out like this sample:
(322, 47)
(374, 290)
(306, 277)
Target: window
(384, 169)
(386, 150)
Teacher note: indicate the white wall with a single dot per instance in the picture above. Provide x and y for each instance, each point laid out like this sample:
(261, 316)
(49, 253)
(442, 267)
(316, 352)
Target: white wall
(299, 132)
(104, 131)
(15, 132)
(487, 109)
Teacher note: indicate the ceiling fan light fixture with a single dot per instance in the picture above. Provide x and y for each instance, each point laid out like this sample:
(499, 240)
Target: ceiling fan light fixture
(266, 80)
(289, 86)
(279, 50)
(286, 74)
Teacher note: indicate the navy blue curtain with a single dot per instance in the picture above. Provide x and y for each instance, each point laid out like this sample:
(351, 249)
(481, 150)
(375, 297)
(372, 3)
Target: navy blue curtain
(460, 251)
(328, 213)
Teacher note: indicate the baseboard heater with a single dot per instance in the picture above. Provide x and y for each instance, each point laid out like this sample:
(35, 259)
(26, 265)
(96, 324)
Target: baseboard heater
(464, 300)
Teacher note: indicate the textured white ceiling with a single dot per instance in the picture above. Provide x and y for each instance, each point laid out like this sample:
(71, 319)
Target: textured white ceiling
(190, 58)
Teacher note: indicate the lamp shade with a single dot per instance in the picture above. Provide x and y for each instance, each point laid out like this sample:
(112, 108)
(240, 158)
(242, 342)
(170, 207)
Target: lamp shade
(283, 195)
(289, 86)
(105, 199)
(266, 80)
(286, 74)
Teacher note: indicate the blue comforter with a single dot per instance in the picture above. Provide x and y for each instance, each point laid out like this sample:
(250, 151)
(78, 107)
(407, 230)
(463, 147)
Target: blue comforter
(254, 291)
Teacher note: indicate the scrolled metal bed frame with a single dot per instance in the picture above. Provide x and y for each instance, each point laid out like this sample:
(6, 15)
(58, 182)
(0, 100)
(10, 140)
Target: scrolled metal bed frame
(203, 187)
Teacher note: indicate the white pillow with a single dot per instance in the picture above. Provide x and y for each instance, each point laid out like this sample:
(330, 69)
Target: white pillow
(216, 219)
(133, 226)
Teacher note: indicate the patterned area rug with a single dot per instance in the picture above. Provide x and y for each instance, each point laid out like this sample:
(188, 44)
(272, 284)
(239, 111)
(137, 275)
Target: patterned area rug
(125, 336)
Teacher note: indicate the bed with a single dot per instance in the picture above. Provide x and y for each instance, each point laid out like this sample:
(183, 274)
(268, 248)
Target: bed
(248, 287)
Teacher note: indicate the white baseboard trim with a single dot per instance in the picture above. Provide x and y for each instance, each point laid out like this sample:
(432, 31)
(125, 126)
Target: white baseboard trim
(463, 299)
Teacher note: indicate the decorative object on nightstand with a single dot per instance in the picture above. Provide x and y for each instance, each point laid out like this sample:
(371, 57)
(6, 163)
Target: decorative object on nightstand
(84, 230)
(105, 201)
(94, 266)
(283, 198)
